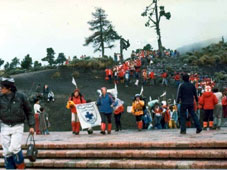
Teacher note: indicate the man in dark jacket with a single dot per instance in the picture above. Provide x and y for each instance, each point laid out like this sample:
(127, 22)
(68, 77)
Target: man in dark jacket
(14, 108)
(185, 96)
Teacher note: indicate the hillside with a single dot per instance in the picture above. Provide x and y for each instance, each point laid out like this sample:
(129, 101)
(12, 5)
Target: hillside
(88, 83)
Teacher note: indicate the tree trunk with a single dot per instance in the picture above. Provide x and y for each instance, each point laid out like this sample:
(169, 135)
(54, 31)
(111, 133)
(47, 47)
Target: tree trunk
(101, 36)
(121, 51)
(158, 29)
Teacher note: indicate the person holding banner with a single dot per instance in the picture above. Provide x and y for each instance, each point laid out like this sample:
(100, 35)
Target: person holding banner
(137, 110)
(104, 104)
(76, 98)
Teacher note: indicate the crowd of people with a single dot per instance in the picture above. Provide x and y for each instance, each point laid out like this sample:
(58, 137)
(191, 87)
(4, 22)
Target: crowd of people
(152, 114)
(139, 71)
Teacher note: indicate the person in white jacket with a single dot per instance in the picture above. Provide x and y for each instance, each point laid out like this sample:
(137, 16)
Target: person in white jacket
(217, 109)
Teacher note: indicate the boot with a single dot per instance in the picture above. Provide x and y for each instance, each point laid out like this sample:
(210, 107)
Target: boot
(73, 127)
(9, 163)
(19, 160)
(90, 131)
(77, 128)
(205, 125)
(109, 128)
(140, 125)
(211, 124)
(103, 128)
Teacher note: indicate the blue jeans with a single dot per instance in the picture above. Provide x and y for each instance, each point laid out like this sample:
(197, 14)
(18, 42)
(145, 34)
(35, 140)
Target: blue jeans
(158, 122)
(183, 116)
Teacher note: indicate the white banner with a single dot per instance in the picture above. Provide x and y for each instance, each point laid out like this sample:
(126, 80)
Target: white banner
(88, 114)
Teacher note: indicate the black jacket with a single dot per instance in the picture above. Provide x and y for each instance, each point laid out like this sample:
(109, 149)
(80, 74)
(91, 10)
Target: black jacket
(14, 108)
(186, 93)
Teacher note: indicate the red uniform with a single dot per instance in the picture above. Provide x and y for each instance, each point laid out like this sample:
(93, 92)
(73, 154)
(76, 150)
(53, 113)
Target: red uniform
(164, 75)
(152, 76)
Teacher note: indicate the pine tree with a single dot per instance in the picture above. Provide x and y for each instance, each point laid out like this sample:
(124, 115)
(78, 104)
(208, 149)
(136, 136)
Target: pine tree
(61, 58)
(14, 63)
(104, 34)
(50, 56)
(1, 62)
(26, 63)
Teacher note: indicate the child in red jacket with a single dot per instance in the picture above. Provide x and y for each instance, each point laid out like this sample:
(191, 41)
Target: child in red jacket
(208, 100)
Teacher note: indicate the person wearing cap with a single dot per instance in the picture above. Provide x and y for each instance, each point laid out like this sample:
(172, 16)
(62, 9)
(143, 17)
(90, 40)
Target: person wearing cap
(75, 98)
(185, 96)
(104, 103)
(208, 101)
(137, 110)
(14, 109)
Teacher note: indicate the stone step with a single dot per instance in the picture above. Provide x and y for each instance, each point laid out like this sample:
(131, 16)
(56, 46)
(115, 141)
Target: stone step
(134, 154)
(124, 164)
(134, 145)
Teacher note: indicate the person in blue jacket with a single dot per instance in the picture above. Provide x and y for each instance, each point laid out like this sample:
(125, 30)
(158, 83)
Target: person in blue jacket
(104, 104)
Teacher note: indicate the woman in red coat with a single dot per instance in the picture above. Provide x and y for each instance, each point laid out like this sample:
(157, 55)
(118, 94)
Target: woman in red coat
(76, 98)
(208, 100)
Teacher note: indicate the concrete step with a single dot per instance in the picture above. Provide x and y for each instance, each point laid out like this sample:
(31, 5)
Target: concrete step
(134, 145)
(124, 164)
(134, 154)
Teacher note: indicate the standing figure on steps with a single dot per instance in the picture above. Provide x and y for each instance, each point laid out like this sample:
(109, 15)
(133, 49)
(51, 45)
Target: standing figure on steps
(14, 109)
(137, 110)
(76, 98)
(186, 95)
(208, 100)
(118, 108)
(104, 104)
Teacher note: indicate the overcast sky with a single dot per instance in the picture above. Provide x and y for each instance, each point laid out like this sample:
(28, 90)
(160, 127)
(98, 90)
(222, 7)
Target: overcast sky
(31, 26)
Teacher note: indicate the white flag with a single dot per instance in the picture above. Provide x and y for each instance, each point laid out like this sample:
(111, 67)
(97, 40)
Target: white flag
(89, 115)
(141, 91)
(163, 94)
(74, 82)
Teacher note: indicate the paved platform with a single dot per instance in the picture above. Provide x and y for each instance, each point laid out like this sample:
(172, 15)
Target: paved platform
(162, 136)
(130, 149)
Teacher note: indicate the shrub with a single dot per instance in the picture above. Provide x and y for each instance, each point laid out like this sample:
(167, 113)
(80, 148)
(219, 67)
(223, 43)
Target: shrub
(75, 74)
(56, 75)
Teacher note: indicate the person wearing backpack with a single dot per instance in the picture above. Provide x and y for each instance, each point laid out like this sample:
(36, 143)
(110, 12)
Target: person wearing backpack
(104, 104)
(75, 98)
(14, 109)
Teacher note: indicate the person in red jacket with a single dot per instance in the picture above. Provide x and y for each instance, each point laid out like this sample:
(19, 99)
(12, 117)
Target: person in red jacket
(177, 79)
(152, 78)
(109, 74)
(121, 75)
(164, 78)
(208, 100)
(76, 98)
(224, 103)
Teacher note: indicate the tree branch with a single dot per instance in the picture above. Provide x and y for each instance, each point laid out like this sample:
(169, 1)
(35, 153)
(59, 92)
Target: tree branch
(152, 20)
